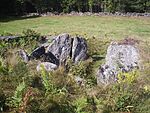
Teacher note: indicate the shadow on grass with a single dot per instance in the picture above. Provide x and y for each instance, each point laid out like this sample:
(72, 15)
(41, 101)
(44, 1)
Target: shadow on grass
(97, 58)
(13, 18)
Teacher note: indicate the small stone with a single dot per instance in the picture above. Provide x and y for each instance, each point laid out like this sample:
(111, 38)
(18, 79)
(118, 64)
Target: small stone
(8, 37)
(47, 66)
(80, 81)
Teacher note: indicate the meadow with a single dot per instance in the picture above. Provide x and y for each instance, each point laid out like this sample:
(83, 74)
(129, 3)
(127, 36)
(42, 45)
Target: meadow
(98, 26)
(24, 90)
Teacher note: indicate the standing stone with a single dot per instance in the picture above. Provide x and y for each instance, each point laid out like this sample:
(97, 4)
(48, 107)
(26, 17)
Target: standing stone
(119, 58)
(61, 47)
(79, 49)
(47, 66)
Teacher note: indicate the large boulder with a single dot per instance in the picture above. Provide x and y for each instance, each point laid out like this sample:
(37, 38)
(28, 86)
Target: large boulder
(61, 47)
(79, 49)
(121, 57)
(47, 66)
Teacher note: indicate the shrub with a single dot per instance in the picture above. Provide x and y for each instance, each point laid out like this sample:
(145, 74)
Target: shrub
(97, 46)
(57, 93)
(16, 100)
(81, 105)
(49, 87)
(85, 70)
(31, 35)
(3, 67)
(123, 96)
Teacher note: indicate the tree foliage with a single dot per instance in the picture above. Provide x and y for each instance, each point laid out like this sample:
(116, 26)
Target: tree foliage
(19, 7)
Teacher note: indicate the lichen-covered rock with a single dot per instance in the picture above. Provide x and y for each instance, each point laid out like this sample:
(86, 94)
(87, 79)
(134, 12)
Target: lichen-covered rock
(61, 47)
(47, 66)
(79, 49)
(119, 58)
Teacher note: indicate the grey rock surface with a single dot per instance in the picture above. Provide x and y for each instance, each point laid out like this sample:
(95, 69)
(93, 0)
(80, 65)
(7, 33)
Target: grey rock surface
(47, 66)
(25, 57)
(79, 49)
(39, 54)
(8, 37)
(119, 58)
(61, 47)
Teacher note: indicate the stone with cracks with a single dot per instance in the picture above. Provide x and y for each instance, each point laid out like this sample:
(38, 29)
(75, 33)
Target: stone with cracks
(59, 50)
(79, 49)
(119, 58)
(61, 47)
(47, 66)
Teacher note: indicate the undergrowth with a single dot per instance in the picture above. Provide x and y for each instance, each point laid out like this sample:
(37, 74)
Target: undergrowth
(24, 90)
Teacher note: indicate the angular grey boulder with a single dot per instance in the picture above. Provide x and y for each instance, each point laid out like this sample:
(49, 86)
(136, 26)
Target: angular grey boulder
(47, 66)
(79, 49)
(119, 58)
(64, 47)
(61, 47)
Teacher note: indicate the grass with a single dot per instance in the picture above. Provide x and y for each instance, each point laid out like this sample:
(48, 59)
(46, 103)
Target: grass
(57, 92)
(104, 26)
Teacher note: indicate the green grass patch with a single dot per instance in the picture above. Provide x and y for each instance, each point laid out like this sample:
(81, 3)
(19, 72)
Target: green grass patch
(104, 26)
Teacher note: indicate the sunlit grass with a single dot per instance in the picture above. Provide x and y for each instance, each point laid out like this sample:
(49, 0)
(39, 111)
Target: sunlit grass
(105, 26)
